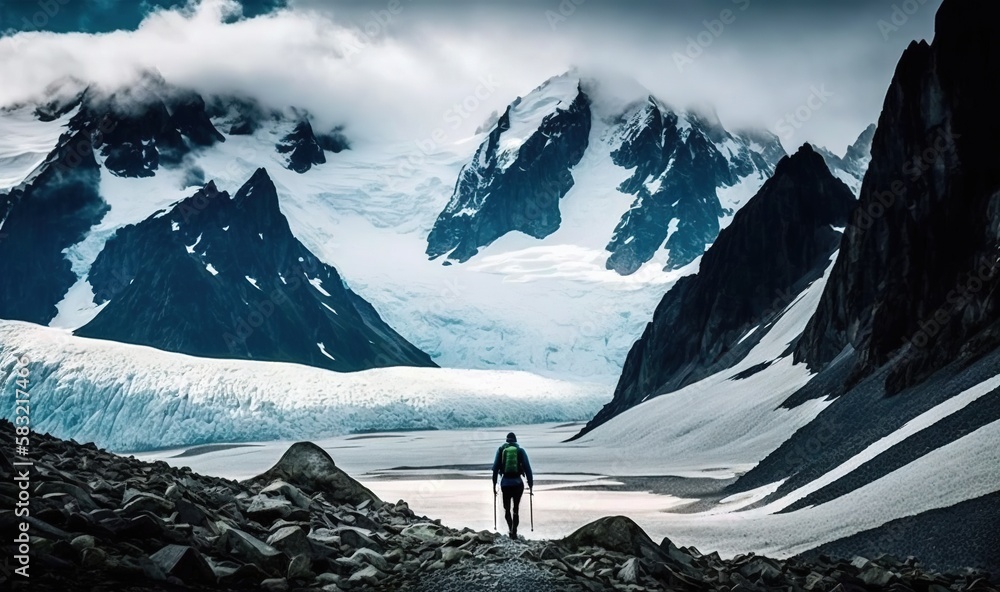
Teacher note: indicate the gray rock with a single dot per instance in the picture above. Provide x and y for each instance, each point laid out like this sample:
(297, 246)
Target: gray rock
(877, 577)
(629, 572)
(452, 555)
(367, 556)
(300, 568)
(291, 540)
(356, 538)
(93, 558)
(367, 575)
(188, 513)
(82, 498)
(289, 492)
(615, 533)
(147, 502)
(184, 563)
(82, 542)
(274, 585)
(252, 549)
(266, 510)
(310, 468)
(426, 531)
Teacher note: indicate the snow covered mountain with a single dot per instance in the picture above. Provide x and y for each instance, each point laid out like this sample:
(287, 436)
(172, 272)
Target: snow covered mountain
(778, 245)
(518, 174)
(129, 397)
(368, 209)
(231, 281)
(852, 166)
(870, 408)
(687, 174)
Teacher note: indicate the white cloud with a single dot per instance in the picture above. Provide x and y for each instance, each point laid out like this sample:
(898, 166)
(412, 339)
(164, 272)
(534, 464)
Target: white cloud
(398, 69)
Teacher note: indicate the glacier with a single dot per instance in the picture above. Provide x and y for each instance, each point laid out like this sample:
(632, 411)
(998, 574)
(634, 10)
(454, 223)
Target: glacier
(129, 398)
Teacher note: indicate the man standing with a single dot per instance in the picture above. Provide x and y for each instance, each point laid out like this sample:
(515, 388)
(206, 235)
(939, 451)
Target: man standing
(512, 461)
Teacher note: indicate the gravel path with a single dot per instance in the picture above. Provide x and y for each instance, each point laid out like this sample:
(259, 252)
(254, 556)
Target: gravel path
(502, 571)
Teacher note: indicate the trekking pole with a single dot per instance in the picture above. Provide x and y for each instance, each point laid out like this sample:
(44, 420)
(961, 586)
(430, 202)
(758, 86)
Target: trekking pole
(494, 507)
(531, 506)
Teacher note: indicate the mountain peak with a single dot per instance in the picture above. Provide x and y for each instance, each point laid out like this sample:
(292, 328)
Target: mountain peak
(777, 244)
(258, 194)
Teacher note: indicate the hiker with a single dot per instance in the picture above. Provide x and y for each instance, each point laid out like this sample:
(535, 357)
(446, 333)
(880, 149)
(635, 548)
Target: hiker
(512, 461)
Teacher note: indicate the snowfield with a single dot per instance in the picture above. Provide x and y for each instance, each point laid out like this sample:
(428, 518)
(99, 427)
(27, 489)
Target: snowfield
(25, 143)
(127, 397)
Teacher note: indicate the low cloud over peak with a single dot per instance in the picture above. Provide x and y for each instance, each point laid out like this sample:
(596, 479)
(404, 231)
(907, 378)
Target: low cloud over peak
(396, 70)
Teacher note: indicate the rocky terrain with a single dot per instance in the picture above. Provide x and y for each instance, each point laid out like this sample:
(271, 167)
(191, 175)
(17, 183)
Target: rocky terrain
(104, 522)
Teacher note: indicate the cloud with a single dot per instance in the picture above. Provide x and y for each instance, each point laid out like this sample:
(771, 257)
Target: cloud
(399, 69)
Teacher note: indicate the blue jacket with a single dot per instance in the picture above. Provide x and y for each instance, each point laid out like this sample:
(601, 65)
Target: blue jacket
(522, 457)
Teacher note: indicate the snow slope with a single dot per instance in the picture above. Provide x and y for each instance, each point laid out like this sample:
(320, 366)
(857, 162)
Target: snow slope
(25, 142)
(128, 397)
(719, 425)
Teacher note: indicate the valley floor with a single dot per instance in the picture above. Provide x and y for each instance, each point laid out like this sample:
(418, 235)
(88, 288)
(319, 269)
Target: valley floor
(445, 474)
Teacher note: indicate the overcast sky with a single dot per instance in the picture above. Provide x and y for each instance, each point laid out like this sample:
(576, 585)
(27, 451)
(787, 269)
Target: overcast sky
(396, 68)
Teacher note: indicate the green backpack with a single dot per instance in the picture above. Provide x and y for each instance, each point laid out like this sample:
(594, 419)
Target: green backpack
(511, 462)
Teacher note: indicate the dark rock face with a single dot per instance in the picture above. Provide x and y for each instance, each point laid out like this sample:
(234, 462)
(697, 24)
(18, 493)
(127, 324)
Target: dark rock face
(221, 277)
(301, 148)
(239, 116)
(309, 467)
(138, 130)
(777, 245)
(335, 141)
(900, 330)
(39, 221)
(678, 169)
(499, 192)
(916, 281)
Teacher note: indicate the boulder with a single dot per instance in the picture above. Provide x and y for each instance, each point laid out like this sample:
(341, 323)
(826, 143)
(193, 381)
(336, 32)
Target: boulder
(309, 467)
(248, 547)
(83, 499)
(274, 585)
(290, 493)
(266, 510)
(147, 502)
(426, 531)
(370, 557)
(367, 575)
(185, 563)
(629, 572)
(357, 538)
(300, 568)
(291, 540)
(614, 533)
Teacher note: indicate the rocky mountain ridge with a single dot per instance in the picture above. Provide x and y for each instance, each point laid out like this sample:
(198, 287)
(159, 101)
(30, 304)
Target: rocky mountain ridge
(777, 245)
